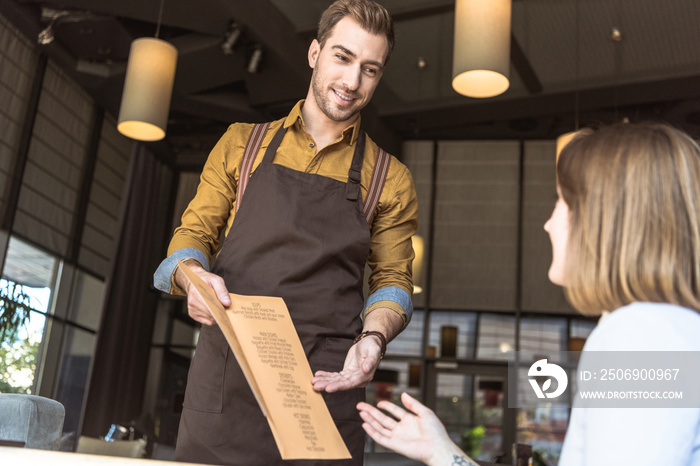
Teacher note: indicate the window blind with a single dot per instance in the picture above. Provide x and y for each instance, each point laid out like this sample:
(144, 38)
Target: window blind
(57, 153)
(106, 194)
(18, 62)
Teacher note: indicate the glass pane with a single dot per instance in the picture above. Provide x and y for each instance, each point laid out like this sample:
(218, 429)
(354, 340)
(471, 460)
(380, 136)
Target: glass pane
(392, 379)
(183, 333)
(25, 287)
(452, 334)
(471, 407)
(28, 265)
(581, 328)
(172, 381)
(19, 355)
(542, 424)
(409, 341)
(544, 336)
(78, 350)
(86, 305)
(496, 336)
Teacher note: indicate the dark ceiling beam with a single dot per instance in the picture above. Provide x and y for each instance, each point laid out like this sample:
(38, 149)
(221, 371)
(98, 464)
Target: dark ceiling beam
(273, 29)
(443, 117)
(523, 67)
(198, 52)
(212, 18)
(285, 62)
(404, 13)
(224, 107)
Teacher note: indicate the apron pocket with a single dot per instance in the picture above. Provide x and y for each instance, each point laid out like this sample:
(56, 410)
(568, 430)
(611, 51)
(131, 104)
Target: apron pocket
(205, 381)
(331, 358)
(342, 404)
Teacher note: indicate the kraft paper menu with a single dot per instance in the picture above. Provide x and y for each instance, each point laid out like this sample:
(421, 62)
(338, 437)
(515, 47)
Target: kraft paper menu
(267, 347)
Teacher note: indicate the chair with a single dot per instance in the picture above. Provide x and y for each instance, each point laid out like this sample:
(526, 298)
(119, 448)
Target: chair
(32, 420)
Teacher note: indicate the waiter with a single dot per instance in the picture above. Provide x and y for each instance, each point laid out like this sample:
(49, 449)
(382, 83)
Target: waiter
(305, 202)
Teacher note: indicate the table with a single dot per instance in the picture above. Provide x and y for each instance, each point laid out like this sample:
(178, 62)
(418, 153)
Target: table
(31, 457)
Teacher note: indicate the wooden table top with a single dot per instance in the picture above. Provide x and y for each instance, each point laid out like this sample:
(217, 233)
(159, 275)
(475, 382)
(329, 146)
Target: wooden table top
(30, 457)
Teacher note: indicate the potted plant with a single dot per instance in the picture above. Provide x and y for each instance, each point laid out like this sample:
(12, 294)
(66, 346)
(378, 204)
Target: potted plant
(14, 310)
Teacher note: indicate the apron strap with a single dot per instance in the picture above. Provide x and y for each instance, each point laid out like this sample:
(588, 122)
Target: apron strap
(274, 145)
(352, 192)
(376, 184)
(252, 147)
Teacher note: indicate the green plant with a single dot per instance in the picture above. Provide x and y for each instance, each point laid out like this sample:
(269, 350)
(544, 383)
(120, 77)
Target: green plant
(17, 365)
(472, 439)
(14, 310)
(539, 458)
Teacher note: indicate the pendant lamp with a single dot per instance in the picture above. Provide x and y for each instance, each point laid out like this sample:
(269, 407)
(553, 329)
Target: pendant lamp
(563, 140)
(481, 60)
(418, 249)
(148, 88)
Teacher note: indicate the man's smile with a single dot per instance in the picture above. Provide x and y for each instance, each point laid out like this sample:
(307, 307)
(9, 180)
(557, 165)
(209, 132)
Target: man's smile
(344, 97)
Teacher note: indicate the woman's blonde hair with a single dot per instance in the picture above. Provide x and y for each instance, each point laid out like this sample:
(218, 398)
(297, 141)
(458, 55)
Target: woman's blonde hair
(633, 192)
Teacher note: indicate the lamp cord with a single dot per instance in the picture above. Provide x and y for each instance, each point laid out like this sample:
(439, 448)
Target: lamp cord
(160, 18)
(578, 48)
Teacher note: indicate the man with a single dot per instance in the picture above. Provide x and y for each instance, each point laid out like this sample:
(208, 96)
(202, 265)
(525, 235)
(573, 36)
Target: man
(300, 232)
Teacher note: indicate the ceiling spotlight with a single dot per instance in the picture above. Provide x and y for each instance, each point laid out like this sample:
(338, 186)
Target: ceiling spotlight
(616, 35)
(51, 15)
(46, 35)
(255, 59)
(231, 36)
(56, 17)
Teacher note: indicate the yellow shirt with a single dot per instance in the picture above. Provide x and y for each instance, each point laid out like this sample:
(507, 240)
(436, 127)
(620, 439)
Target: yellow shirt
(394, 223)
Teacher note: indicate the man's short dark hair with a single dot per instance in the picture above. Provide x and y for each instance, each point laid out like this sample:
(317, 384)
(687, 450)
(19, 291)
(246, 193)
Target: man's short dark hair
(371, 16)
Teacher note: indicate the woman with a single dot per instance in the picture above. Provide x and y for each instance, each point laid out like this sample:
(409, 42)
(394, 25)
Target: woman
(625, 236)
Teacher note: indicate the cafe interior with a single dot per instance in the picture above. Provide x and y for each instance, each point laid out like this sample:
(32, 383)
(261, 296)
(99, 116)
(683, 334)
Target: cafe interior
(88, 205)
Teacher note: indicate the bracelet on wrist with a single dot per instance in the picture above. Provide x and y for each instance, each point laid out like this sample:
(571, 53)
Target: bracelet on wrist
(379, 335)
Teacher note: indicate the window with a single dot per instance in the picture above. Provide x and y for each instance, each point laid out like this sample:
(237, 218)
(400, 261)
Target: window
(452, 334)
(496, 336)
(52, 351)
(25, 296)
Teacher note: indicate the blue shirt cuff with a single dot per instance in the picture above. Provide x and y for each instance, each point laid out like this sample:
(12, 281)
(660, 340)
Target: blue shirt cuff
(162, 277)
(394, 294)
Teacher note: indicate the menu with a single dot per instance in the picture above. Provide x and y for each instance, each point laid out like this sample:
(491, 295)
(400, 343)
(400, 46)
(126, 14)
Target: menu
(267, 347)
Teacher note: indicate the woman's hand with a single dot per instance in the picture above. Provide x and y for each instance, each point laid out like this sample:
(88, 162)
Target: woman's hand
(415, 432)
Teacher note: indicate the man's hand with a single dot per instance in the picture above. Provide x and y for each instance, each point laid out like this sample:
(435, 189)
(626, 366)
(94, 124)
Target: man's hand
(360, 363)
(196, 307)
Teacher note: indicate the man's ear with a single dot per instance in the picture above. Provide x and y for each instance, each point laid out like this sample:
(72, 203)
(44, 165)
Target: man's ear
(314, 50)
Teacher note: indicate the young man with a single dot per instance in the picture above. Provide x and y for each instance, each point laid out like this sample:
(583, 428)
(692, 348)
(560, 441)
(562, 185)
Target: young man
(303, 231)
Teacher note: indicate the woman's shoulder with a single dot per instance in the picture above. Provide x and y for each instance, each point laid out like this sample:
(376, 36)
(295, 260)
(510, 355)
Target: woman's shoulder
(647, 327)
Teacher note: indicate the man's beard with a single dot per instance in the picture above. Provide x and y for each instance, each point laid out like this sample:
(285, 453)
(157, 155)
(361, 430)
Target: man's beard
(327, 107)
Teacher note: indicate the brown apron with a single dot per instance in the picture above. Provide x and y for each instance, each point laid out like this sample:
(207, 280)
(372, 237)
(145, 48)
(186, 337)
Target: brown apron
(303, 237)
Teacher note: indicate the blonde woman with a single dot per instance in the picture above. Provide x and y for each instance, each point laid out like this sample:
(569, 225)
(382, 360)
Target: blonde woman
(625, 236)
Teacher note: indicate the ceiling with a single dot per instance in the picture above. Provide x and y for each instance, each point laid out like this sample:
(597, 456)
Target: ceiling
(564, 65)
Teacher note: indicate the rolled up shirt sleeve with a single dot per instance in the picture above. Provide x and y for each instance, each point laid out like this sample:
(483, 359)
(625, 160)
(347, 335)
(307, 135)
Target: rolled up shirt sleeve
(163, 278)
(391, 297)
